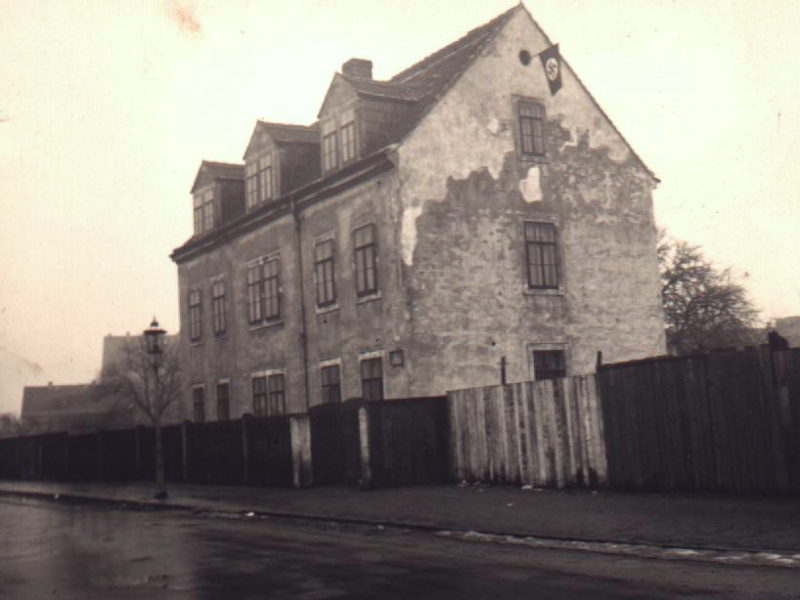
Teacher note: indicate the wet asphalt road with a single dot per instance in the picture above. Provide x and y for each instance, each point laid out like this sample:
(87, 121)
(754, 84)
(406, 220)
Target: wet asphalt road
(53, 550)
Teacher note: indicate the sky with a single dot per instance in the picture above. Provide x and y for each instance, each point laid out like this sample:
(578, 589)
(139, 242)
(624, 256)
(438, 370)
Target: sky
(108, 108)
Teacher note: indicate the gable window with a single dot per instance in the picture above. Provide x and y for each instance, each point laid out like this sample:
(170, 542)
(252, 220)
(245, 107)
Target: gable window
(331, 384)
(329, 152)
(204, 211)
(365, 250)
(272, 289)
(265, 187)
(324, 273)
(219, 307)
(372, 379)
(531, 118)
(549, 364)
(199, 404)
(223, 402)
(251, 184)
(195, 316)
(276, 396)
(541, 254)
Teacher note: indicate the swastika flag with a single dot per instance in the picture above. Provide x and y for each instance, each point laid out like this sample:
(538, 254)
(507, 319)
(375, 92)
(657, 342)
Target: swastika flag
(551, 63)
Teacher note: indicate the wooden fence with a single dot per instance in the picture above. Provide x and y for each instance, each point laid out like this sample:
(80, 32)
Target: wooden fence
(271, 451)
(544, 433)
(719, 422)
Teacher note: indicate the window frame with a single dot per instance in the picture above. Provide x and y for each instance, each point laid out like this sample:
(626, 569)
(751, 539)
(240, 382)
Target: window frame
(328, 384)
(259, 393)
(276, 394)
(324, 277)
(536, 248)
(199, 407)
(271, 289)
(195, 301)
(347, 142)
(219, 307)
(368, 383)
(367, 253)
(330, 151)
(534, 123)
(251, 184)
(543, 374)
(209, 217)
(227, 401)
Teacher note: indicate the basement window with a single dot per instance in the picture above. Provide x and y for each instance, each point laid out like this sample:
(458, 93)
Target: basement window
(549, 364)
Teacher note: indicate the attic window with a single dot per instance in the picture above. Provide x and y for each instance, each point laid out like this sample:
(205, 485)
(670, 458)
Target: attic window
(203, 211)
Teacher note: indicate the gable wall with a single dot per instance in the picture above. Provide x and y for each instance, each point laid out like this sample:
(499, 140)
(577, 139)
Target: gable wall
(464, 197)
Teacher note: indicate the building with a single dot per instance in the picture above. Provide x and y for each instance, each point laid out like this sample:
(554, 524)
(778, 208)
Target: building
(789, 328)
(86, 407)
(422, 232)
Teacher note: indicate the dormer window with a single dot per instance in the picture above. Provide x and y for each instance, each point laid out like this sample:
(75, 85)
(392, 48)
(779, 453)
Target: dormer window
(347, 135)
(203, 211)
(329, 143)
(259, 181)
(265, 187)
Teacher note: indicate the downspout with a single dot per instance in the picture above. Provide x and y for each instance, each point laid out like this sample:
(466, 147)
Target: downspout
(303, 329)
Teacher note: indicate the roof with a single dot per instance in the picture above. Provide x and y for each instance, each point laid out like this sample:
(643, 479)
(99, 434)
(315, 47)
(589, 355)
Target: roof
(384, 89)
(287, 133)
(210, 170)
(51, 400)
(282, 133)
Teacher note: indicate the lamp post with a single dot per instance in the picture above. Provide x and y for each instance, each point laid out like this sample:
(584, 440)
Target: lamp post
(154, 345)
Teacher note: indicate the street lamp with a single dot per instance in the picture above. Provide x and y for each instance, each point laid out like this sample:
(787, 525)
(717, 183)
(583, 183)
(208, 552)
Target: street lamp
(154, 338)
(154, 345)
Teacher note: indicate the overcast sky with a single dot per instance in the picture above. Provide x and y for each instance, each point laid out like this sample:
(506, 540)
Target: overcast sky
(107, 109)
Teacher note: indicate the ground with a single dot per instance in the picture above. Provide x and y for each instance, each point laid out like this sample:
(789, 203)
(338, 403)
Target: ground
(53, 549)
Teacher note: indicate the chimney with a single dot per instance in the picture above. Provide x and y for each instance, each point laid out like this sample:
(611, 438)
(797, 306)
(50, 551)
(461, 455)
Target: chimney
(358, 67)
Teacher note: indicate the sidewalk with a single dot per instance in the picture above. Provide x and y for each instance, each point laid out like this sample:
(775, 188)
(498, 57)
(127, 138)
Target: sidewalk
(688, 521)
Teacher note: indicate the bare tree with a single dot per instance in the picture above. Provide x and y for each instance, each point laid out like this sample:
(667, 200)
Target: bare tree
(153, 383)
(704, 308)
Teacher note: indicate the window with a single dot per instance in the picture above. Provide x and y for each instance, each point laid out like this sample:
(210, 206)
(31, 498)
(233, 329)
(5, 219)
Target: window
(223, 402)
(254, 308)
(271, 289)
(347, 134)
(219, 307)
(365, 255)
(549, 364)
(265, 187)
(251, 184)
(541, 255)
(329, 152)
(199, 403)
(259, 396)
(195, 316)
(204, 211)
(324, 273)
(331, 385)
(198, 214)
(276, 398)
(372, 379)
(531, 117)
(263, 291)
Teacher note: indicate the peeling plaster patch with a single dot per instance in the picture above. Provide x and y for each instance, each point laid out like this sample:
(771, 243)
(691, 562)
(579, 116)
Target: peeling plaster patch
(493, 126)
(530, 187)
(408, 235)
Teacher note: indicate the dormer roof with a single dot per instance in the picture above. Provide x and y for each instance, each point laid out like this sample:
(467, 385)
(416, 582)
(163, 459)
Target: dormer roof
(210, 171)
(280, 133)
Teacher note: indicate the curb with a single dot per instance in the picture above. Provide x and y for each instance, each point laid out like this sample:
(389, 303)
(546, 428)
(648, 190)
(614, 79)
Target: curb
(160, 505)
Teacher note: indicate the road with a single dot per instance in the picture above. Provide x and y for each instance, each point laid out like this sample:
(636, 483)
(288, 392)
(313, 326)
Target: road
(56, 550)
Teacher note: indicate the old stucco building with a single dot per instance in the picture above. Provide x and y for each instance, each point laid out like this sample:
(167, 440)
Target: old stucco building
(421, 230)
